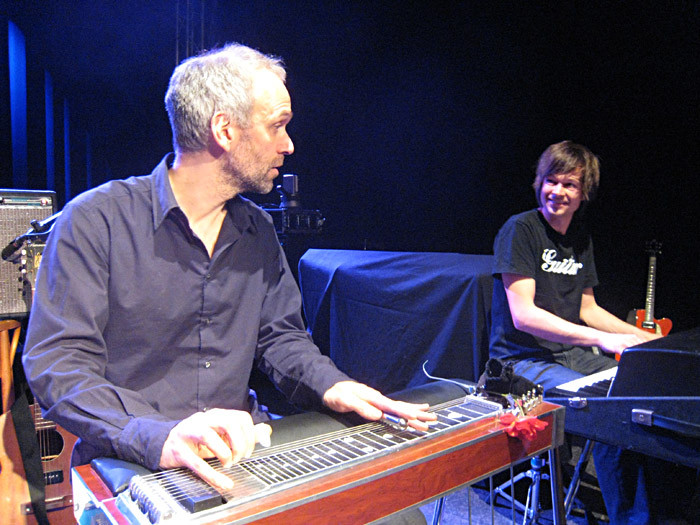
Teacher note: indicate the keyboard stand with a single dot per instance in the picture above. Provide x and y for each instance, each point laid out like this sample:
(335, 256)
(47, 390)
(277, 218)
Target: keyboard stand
(576, 478)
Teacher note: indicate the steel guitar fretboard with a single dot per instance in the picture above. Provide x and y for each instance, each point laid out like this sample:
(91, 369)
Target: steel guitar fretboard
(180, 496)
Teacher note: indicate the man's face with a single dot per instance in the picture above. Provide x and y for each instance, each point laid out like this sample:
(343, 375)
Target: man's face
(254, 161)
(560, 196)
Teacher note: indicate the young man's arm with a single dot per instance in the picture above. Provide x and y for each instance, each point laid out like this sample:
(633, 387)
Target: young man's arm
(597, 317)
(602, 330)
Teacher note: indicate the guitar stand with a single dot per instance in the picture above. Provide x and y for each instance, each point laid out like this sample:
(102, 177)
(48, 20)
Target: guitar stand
(531, 508)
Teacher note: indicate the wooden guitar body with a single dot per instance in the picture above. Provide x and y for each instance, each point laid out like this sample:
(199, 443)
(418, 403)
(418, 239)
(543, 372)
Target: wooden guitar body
(55, 445)
(14, 492)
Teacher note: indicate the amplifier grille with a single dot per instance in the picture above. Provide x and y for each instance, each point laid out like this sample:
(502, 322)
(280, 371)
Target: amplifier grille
(18, 208)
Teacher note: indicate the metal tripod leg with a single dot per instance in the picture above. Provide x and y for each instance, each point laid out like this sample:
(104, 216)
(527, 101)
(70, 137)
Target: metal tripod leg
(531, 509)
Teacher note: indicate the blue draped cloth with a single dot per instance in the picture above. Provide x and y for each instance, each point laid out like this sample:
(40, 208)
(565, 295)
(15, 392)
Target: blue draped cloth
(381, 315)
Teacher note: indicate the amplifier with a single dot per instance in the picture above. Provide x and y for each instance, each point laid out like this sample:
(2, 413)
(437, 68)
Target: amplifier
(18, 210)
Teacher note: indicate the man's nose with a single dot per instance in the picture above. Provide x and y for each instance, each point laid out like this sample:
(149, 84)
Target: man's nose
(287, 147)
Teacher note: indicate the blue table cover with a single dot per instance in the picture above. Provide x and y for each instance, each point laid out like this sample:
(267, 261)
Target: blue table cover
(381, 315)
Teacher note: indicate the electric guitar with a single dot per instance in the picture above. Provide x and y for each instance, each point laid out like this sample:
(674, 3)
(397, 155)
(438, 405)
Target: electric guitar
(644, 319)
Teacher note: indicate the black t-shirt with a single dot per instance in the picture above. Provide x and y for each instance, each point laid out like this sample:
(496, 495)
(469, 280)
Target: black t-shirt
(562, 267)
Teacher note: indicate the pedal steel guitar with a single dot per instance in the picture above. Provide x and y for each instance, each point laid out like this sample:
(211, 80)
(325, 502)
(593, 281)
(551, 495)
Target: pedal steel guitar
(369, 471)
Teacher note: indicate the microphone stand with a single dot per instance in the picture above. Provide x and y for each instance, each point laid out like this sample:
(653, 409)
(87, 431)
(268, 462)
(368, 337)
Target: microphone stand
(39, 230)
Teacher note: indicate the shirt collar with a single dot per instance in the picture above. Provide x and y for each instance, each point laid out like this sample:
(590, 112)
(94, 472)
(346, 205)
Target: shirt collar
(240, 212)
(162, 194)
(239, 208)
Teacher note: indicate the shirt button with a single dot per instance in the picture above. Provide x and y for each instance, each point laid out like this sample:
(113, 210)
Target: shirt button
(208, 277)
(207, 364)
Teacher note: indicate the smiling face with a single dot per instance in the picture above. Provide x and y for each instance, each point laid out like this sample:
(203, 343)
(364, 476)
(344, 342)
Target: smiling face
(254, 160)
(560, 196)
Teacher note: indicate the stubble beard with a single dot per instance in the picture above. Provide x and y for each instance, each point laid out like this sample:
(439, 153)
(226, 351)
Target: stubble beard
(244, 171)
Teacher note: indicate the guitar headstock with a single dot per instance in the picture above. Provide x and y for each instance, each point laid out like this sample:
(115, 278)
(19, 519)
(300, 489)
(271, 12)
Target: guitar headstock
(653, 247)
(521, 405)
(518, 405)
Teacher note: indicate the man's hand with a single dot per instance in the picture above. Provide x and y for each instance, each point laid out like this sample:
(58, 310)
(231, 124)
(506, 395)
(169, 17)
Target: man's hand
(349, 396)
(228, 435)
(618, 343)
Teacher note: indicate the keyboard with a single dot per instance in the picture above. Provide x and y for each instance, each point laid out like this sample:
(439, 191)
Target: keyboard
(594, 385)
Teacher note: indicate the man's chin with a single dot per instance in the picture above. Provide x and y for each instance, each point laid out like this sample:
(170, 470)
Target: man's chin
(259, 189)
(557, 209)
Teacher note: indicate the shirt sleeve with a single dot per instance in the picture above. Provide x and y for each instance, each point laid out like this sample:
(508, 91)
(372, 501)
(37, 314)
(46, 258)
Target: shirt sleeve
(591, 279)
(514, 250)
(65, 353)
(286, 351)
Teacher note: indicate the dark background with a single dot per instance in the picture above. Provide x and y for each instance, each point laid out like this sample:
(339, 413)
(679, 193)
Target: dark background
(417, 124)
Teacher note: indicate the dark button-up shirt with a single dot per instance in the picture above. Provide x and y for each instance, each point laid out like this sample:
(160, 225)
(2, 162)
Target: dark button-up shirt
(134, 327)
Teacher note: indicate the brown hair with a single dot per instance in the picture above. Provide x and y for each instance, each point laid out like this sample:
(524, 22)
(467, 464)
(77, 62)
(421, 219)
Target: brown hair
(567, 157)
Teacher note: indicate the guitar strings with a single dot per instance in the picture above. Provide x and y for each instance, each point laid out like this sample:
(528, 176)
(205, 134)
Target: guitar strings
(188, 484)
(183, 484)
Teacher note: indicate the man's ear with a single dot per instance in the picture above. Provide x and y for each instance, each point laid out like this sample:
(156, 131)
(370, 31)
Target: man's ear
(223, 130)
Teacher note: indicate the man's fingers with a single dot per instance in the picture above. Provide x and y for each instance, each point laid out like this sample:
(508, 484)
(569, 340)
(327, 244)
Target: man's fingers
(215, 478)
(411, 411)
(237, 431)
(371, 404)
(213, 442)
(205, 471)
(262, 434)
(420, 424)
(228, 441)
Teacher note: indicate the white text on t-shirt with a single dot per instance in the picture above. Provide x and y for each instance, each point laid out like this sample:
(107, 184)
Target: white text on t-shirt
(567, 266)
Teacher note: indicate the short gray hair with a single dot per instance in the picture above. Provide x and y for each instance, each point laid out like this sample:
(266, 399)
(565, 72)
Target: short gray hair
(214, 81)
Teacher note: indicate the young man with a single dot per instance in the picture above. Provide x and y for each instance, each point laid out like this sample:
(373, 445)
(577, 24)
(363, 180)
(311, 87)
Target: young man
(545, 274)
(545, 316)
(158, 294)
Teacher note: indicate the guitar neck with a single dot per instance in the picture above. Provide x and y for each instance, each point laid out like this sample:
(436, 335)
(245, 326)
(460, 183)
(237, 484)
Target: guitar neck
(651, 287)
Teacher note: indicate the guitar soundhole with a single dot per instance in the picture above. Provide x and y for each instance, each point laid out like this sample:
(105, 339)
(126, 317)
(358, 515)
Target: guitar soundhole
(50, 443)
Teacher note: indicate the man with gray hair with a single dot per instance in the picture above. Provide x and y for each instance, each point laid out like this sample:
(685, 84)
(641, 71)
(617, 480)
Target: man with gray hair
(158, 294)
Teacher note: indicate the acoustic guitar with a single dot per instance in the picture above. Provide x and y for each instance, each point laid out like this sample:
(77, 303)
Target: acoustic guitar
(14, 492)
(53, 443)
(55, 446)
